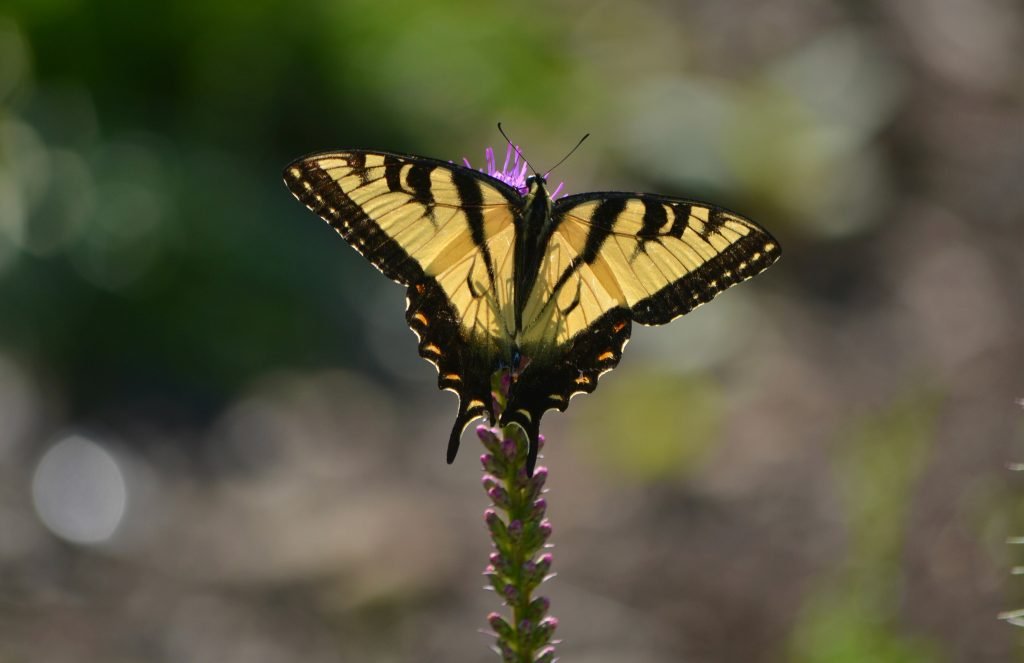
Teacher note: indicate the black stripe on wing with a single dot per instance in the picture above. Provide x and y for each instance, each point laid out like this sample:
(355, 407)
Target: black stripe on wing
(472, 198)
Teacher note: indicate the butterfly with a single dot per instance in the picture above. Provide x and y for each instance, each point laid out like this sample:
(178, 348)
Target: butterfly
(507, 279)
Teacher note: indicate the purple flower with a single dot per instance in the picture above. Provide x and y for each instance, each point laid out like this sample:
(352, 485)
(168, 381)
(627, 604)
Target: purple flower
(512, 172)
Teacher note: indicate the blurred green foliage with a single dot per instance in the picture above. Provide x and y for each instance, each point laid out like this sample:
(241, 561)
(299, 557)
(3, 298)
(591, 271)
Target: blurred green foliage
(660, 428)
(854, 616)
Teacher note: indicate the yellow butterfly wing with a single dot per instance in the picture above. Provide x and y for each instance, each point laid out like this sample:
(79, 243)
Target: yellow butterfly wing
(616, 258)
(661, 257)
(445, 231)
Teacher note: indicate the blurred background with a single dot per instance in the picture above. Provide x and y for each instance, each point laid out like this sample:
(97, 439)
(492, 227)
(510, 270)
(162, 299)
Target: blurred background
(218, 443)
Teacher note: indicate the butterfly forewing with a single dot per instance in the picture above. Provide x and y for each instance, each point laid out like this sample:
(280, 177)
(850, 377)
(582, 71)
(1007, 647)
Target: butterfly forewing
(665, 256)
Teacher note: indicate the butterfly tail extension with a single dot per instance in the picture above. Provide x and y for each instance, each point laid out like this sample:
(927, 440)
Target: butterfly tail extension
(466, 415)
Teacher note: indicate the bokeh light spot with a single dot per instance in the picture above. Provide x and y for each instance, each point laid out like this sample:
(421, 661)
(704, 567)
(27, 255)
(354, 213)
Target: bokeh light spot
(79, 491)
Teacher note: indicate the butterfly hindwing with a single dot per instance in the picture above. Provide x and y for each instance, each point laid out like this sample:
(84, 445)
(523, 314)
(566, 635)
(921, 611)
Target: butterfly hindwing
(461, 367)
(551, 380)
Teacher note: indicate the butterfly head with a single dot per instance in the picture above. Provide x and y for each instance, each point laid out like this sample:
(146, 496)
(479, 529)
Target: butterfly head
(535, 183)
(537, 205)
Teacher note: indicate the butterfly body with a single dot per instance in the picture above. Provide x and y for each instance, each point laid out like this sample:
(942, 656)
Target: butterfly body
(532, 235)
(543, 289)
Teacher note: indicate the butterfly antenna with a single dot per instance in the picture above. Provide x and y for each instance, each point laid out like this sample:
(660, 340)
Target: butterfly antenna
(585, 136)
(514, 147)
